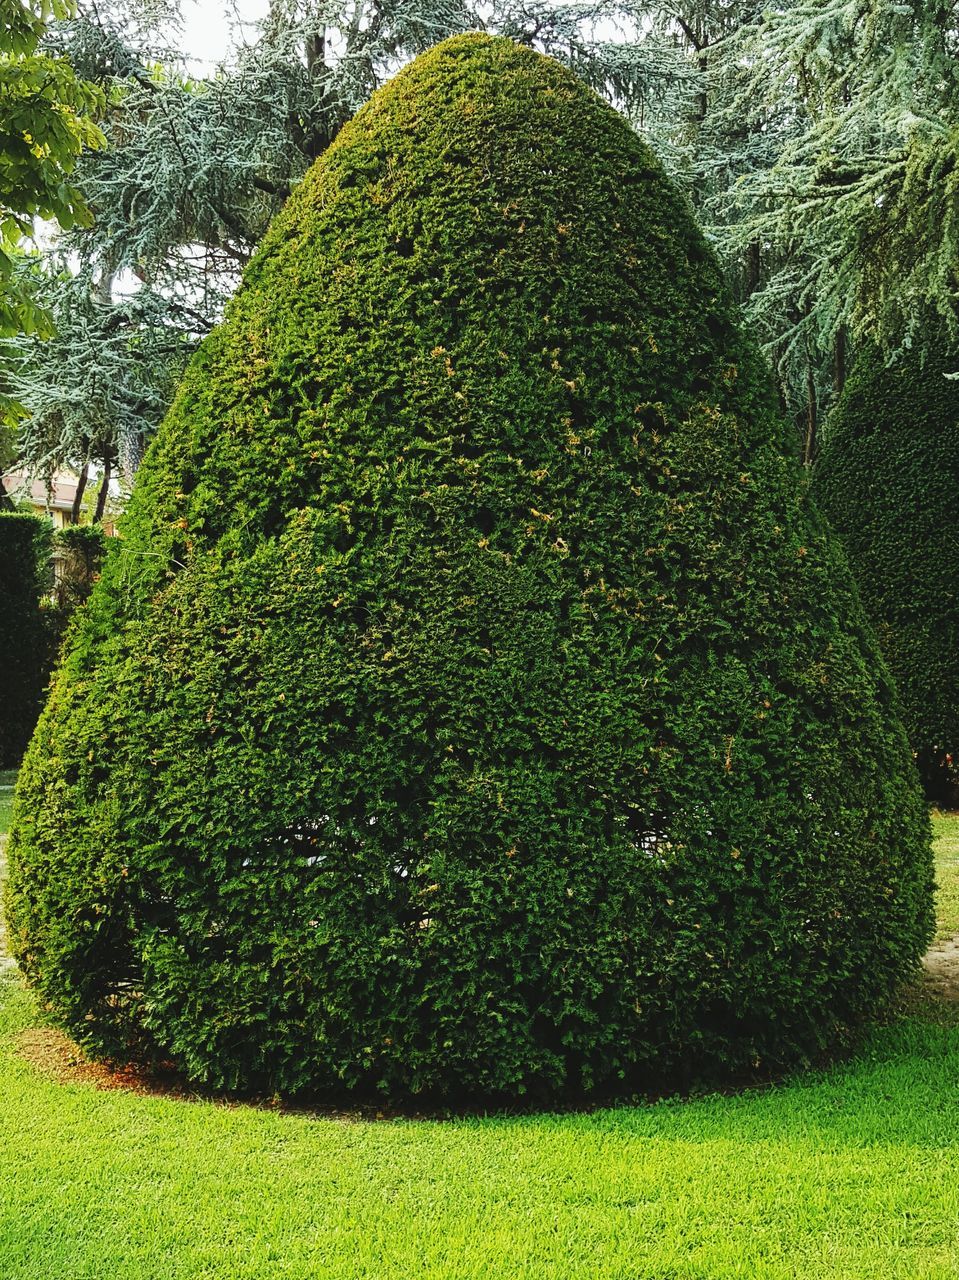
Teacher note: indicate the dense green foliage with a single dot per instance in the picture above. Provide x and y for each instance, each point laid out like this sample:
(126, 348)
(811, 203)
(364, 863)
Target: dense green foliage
(36, 605)
(24, 635)
(44, 125)
(856, 204)
(475, 704)
(888, 479)
(80, 550)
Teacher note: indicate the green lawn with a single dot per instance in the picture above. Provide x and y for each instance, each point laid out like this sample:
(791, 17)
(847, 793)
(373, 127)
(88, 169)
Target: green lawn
(945, 830)
(845, 1174)
(7, 779)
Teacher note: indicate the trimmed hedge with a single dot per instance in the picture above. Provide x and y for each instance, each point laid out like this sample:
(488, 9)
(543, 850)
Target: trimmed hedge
(81, 549)
(888, 480)
(476, 704)
(25, 645)
(32, 627)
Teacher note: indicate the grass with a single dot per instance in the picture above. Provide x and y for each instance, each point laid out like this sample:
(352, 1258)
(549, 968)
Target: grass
(945, 831)
(7, 779)
(831, 1176)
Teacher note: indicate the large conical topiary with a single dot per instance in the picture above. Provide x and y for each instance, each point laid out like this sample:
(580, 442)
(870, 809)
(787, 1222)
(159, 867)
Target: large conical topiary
(476, 705)
(888, 479)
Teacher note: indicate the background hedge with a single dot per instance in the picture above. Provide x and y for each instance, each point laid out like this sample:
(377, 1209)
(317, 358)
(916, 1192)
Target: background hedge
(81, 549)
(36, 606)
(888, 479)
(25, 642)
(476, 704)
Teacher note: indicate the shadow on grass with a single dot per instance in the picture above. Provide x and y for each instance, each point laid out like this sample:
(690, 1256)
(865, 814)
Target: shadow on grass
(897, 1082)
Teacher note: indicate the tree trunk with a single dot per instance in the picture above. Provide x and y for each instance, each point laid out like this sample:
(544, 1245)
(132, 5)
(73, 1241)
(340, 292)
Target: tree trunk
(130, 450)
(103, 491)
(753, 267)
(315, 49)
(839, 366)
(78, 498)
(809, 446)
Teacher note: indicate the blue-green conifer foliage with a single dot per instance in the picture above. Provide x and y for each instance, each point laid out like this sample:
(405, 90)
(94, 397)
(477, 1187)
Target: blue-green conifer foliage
(476, 706)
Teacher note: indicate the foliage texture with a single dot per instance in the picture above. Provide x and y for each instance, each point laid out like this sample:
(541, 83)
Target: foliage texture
(887, 479)
(475, 703)
(198, 164)
(840, 117)
(44, 125)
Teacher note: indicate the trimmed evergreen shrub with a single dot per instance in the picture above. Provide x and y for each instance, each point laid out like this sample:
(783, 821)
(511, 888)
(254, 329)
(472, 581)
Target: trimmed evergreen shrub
(25, 648)
(888, 480)
(475, 703)
(80, 549)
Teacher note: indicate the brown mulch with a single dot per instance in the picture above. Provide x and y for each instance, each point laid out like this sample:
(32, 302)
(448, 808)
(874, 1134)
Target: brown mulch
(58, 1058)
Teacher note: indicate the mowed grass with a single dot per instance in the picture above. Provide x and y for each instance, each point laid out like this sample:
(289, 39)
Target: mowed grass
(945, 832)
(7, 779)
(847, 1173)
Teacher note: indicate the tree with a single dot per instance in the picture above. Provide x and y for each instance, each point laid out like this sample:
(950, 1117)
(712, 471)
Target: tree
(475, 704)
(110, 366)
(855, 205)
(45, 123)
(814, 140)
(196, 168)
(887, 479)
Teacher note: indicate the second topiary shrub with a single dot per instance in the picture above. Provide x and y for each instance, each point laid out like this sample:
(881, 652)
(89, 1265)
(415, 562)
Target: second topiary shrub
(475, 704)
(888, 480)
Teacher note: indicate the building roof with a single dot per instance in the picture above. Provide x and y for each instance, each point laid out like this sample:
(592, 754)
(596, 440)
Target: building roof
(59, 497)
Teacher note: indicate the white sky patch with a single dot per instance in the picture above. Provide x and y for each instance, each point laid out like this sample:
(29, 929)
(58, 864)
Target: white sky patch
(210, 31)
